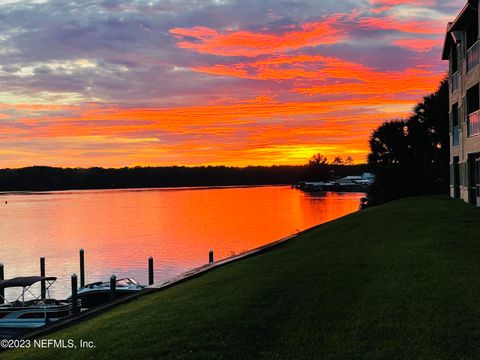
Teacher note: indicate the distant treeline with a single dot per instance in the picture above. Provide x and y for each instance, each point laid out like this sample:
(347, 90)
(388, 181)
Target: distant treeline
(43, 178)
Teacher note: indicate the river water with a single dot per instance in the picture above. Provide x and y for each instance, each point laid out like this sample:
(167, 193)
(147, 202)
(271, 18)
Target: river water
(120, 229)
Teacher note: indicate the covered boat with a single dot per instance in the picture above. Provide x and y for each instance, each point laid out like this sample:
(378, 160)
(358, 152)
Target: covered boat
(23, 313)
(98, 293)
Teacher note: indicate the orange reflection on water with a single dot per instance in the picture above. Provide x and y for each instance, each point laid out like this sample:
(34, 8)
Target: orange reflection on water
(120, 229)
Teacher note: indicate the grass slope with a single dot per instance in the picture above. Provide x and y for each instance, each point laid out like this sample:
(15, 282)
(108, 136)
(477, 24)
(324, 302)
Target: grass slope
(398, 281)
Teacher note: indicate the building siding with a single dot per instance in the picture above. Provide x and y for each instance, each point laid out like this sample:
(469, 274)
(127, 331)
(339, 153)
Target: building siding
(466, 145)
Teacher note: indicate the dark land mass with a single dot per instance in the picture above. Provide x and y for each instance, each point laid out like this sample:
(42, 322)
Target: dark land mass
(44, 178)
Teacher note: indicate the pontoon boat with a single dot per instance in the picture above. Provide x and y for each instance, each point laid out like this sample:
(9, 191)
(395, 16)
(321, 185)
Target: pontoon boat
(33, 312)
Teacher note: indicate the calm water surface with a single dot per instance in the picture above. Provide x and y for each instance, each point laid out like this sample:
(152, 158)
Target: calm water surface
(120, 229)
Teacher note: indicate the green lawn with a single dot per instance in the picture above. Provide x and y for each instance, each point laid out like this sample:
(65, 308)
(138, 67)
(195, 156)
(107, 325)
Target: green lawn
(399, 281)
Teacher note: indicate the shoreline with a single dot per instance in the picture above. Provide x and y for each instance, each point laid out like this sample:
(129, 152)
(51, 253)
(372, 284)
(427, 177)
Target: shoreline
(164, 285)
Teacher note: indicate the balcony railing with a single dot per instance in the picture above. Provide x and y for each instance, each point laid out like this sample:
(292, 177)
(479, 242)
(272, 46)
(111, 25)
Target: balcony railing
(474, 123)
(455, 81)
(472, 56)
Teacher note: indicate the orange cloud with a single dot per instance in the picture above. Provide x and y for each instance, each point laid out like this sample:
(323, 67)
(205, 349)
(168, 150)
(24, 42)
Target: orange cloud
(285, 68)
(329, 75)
(407, 26)
(247, 43)
(255, 132)
(385, 5)
(42, 107)
(180, 120)
(419, 45)
(412, 81)
(403, 2)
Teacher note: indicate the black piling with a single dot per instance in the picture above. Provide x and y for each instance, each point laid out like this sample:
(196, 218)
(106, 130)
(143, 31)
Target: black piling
(150, 271)
(82, 268)
(2, 290)
(113, 287)
(43, 290)
(210, 256)
(74, 294)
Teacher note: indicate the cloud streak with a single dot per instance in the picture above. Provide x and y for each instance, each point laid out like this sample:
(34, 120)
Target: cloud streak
(250, 44)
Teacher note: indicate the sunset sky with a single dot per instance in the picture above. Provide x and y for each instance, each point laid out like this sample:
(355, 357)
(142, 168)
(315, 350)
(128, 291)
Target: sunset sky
(235, 82)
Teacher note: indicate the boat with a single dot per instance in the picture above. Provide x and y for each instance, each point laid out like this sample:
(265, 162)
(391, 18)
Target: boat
(98, 293)
(360, 183)
(23, 314)
(315, 186)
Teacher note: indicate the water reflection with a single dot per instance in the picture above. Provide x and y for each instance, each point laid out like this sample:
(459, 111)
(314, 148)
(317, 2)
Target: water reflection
(120, 229)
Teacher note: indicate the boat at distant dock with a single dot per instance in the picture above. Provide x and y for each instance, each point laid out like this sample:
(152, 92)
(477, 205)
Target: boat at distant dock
(345, 184)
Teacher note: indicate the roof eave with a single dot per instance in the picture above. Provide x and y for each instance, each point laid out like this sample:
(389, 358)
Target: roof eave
(450, 27)
(446, 44)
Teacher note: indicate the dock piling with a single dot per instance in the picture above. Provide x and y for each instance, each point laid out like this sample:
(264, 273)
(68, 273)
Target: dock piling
(150, 271)
(2, 290)
(82, 268)
(210, 256)
(74, 294)
(113, 287)
(42, 273)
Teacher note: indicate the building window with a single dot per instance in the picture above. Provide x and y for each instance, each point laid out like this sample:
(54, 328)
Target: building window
(455, 76)
(472, 57)
(453, 60)
(472, 110)
(472, 45)
(455, 82)
(473, 124)
(455, 134)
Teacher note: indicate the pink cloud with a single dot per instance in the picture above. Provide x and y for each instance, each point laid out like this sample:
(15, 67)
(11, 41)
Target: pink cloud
(418, 45)
(403, 2)
(406, 26)
(385, 5)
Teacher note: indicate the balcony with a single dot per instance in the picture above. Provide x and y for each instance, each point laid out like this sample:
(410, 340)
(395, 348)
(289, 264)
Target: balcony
(455, 82)
(472, 56)
(455, 136)
(474, 123)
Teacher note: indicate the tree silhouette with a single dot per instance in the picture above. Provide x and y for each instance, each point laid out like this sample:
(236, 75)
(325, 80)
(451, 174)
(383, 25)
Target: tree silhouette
(318, 168)
(411, 157)
(349, 161)
(337, 160)
(387, 144)
(318, 160)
